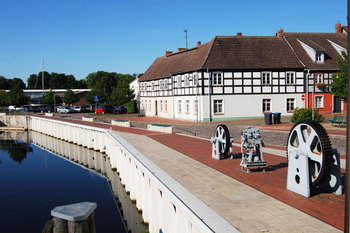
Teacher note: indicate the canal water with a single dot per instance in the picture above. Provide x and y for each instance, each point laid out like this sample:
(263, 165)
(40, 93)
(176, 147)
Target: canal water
(33, 181)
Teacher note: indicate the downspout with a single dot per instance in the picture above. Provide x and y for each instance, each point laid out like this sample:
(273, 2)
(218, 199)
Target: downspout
(210, 116)
(307, 87)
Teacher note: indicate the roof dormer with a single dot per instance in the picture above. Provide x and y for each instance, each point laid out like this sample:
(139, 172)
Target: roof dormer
(318, 56)
(337, 47)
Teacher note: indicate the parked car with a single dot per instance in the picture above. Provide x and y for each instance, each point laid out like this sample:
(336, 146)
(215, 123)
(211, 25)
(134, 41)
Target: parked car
(61, 109)
(119, 109)
(104, 109)
(77, 108)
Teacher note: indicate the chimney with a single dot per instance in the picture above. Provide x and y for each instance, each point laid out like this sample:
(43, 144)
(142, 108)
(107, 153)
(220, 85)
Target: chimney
(280, 33)
(338, 28)
(199, 43)
(239, 33)
(167, 53)
(180, 49)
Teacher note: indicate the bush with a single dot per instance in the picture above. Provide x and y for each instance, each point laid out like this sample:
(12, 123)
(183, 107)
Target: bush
(131, 106)
(302, 114)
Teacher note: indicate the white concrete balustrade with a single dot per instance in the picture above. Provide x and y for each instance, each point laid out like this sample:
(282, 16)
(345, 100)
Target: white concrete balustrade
(165, 204)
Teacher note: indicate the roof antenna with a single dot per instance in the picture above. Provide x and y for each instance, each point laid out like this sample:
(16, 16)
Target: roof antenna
(185, 31)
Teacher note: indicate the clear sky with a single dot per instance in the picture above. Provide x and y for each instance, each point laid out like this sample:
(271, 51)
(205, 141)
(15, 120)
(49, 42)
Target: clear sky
(125, 36)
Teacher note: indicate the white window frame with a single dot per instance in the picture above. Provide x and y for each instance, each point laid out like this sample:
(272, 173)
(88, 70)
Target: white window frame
(290, 80)
(319, 56)
(179, 81)
(217, 78)
(165, 84)
(161, 105)
(152, 86)
(179, 106)
(290, 102)
(161, 85)
(218, 106)
(195, 79)
(266, 105)
(187, 80)
(195, 107)
(319, 78)
(165, 106)
(187, 107)
(266, 80)
(320, 103)
(149, 105)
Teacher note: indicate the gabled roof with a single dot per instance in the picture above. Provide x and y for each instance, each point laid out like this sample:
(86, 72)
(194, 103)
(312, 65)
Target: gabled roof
(226, 52)
(251, 52)
(318, 42)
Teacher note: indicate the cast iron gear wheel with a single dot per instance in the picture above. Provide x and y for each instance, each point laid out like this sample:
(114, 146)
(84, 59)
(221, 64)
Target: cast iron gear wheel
(223, 136)
(310, 138)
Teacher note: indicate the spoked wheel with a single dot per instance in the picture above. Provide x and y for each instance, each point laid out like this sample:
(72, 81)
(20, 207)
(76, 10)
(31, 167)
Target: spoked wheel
(223, 136)
(311, 139)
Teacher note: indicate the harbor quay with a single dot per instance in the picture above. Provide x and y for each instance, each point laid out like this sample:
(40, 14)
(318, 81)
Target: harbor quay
(191, 192)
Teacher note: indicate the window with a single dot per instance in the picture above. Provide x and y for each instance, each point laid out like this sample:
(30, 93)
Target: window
(152, 86)
(290, 104)
(217, 79)
(161, 105)
(195, 107)
(187, 80)
(290, 78)
(266, 105)
(179, 81)
(165, 106)
(195, 80)
(187, 106)
(318, 78)
(319, 101)
(319, 56)
(266, 78)
(161, 85)
(218, 107)
(179, 106)
(165, 84)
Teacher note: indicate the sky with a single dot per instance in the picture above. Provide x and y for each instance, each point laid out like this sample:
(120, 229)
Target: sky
(80, 37)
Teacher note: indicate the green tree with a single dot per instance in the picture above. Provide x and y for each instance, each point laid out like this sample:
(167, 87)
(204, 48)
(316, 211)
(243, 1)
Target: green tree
(340, 81)
(4, 83)
(16, 97)
(3, 100)
(120, 96)
(17, 83)
(69, 97)
(35, 81)
(101, 84)
(50, 98)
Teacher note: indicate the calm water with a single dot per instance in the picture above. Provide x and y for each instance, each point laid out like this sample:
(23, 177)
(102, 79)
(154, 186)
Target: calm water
(34, 181)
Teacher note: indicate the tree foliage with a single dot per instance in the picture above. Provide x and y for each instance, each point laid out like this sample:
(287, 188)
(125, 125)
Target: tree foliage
(54, 81)
(340, 81)
(69, 97)
(16, 97)
(50, 98)
(120, 96)
(102, 84)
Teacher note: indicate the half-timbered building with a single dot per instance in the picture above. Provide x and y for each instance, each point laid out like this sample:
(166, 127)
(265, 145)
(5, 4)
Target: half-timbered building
(234, 77)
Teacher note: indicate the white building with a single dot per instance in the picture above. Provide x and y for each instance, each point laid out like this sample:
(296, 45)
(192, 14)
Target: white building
(230, 77)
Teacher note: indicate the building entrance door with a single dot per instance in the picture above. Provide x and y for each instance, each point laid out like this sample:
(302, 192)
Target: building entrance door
(156, 107)
(336, 104)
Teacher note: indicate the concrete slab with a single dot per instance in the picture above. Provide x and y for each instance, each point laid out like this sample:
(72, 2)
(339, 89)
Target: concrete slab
(74, 212)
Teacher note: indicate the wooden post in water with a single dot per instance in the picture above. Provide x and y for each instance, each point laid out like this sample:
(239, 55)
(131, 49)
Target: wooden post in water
(74, 218)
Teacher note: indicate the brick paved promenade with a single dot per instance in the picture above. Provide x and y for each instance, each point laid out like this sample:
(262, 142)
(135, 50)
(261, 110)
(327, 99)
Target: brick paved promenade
(255, 202)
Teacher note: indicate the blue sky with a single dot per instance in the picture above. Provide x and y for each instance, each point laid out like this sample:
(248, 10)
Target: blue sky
(83, 36)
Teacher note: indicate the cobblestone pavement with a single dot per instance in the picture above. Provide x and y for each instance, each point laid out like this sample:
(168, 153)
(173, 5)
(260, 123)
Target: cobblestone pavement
(276, 135)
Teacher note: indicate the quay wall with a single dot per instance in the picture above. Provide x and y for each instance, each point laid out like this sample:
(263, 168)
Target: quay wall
(14, 120)
(165, 205)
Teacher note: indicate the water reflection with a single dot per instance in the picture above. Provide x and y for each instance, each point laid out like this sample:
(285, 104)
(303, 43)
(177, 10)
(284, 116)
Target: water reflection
(86, 158)
(17, 149)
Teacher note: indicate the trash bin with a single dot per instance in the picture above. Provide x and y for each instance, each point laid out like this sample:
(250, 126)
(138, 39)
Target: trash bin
(268, 118)
(277, 118)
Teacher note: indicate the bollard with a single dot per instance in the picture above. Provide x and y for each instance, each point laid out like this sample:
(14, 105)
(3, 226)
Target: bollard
(74, 218)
